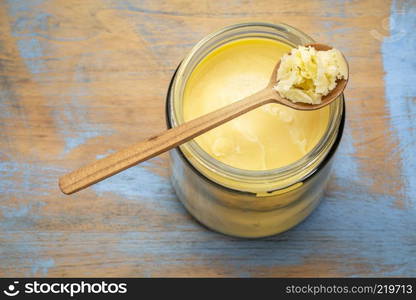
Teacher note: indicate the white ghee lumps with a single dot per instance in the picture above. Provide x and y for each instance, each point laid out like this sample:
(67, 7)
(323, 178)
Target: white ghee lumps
(305, 75)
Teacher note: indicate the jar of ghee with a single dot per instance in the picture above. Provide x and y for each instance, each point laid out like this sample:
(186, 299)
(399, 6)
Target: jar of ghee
(266, 171)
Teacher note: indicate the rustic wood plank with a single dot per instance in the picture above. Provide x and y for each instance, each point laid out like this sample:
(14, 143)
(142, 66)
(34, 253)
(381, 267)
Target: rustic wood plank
(80, 79)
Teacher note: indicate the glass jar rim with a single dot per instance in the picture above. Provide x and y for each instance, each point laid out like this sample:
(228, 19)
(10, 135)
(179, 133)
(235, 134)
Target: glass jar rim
(313, 157)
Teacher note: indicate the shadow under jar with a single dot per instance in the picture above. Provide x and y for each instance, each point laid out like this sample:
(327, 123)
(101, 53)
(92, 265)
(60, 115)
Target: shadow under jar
(244, 202)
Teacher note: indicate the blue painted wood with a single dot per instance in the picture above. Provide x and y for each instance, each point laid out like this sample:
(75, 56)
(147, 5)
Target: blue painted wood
(80, 81)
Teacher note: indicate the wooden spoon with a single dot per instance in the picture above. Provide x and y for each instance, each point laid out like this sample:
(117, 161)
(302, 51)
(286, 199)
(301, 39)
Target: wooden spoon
(139, 152)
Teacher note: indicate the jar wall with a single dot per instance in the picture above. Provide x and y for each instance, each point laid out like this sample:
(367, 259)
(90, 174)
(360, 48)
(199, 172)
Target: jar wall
(243, 214)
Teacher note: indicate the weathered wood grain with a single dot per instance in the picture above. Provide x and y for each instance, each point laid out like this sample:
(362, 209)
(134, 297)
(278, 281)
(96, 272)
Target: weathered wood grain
(80, 79)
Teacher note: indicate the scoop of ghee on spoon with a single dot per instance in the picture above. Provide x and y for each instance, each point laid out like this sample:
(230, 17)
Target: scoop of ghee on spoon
(306, 74)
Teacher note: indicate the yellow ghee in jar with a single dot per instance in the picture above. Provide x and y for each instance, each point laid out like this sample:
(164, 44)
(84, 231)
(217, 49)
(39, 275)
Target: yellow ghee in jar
(268, 137)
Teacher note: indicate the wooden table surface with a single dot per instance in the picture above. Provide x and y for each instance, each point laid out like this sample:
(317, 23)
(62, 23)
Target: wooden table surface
(80, 79)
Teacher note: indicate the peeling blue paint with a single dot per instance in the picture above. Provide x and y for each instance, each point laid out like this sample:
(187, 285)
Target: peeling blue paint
(30, 48)
(345, 165)
(31, 51)
(23, 178)
(339, 34)
(339, 8)
(45, 24)
(17, 7)
(138, 183)
(40, 267)
(364, 219)
(399, 62)
(73, 119)
(12, 212)
(99, 156)
(349, 223)
(74, 123)
(27, 250)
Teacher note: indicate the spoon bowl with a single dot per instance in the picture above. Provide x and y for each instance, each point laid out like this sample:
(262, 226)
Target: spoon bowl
(326, 100)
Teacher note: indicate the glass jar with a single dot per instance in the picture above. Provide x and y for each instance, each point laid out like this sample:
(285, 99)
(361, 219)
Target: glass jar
(247, 203)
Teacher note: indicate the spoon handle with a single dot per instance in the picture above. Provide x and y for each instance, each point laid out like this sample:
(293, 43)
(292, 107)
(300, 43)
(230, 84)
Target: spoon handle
(139, 152)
